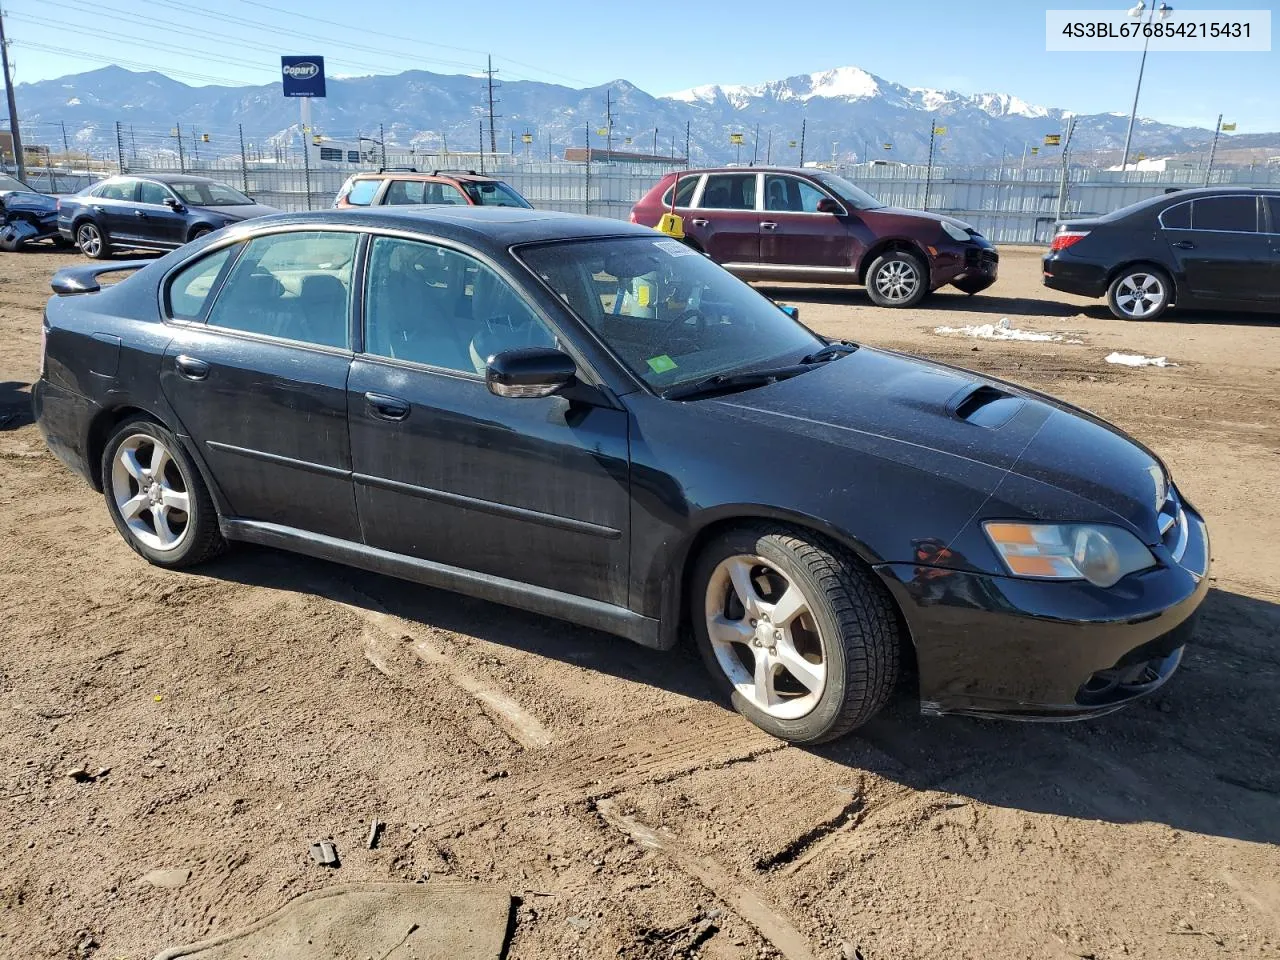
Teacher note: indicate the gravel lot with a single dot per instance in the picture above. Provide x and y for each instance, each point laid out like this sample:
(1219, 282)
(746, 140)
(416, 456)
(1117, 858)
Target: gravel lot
(269, 701)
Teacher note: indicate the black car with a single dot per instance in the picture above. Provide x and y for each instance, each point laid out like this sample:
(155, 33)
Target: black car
(589, 420)
(26, 214)
(151, 213)
(1212, 248)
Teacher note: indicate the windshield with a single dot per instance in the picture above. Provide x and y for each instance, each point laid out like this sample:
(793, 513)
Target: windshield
(209, 195)
(856, 196)
(13, 183)
(494, 193)
(667, 312)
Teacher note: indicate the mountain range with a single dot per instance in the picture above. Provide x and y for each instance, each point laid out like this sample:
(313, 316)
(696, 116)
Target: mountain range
(847, 113)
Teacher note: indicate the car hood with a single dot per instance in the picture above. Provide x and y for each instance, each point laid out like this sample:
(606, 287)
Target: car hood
(923, 215)
(945, 413)
(29, 202)
(244, 211)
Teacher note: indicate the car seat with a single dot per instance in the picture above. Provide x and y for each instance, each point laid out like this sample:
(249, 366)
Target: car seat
(776, 197)
(320, 314)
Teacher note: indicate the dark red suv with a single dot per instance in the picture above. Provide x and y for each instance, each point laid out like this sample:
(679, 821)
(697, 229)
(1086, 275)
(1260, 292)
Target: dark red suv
(811, 226)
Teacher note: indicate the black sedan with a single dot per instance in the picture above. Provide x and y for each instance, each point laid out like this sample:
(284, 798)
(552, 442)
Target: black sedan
(588, 420)
(158, 212)
(1213, 248)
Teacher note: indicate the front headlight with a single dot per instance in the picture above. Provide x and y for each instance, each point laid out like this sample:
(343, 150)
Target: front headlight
(956, 233)
(1095, 552)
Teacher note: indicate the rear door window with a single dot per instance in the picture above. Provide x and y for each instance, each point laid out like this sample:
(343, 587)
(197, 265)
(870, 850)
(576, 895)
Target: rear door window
(118, 190)
(1233, 214)
(362, 192)
(1177, 217)
(729, 191)
(192, 286)
(401, 192)
(295, 286)
(1274, 208)
(791, 195)
(684, 193)
(152, 193)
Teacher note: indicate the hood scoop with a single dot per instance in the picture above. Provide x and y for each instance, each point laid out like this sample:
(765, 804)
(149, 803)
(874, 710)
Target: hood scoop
(984, 405)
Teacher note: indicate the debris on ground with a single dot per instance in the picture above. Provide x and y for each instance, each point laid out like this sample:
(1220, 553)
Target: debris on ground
(375, 830)
(1138, 360)
(325, 854)
(167, 879)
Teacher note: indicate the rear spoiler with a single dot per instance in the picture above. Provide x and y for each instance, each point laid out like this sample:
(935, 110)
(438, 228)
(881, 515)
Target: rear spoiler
(72, 280)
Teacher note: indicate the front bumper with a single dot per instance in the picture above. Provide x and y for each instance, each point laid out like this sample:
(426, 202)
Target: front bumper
(969, 266)
(1049, 650)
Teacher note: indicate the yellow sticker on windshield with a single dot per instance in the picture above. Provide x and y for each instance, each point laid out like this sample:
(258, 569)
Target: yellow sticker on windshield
(662, 364)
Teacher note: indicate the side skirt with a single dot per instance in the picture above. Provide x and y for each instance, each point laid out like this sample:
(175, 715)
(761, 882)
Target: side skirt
(513, 593)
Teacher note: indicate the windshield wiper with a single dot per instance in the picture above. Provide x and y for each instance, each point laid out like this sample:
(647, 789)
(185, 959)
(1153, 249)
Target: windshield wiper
(728, 383)
(836, 348)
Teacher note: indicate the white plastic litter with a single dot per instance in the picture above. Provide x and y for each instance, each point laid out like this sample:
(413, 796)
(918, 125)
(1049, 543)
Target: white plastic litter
(1137, 360)
(999, 331)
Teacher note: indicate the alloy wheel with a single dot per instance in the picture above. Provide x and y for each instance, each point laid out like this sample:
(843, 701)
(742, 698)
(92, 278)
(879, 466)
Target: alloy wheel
(897, 280)
(1140, 295)
(765, 637)
(151, 492)
(89, 240)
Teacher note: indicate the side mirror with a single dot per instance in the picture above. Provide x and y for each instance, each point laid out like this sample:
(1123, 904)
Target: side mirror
(529, 372)
(827, 205)
(174, 204)
(792, 312)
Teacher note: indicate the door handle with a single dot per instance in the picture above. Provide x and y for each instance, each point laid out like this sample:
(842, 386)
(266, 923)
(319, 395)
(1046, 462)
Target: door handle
(699, 222)
(190, 367)
(140, 214)
(1185, 245)
(387, 408)
(768, 225)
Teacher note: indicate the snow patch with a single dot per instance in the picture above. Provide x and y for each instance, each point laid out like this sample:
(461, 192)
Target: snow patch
(73, 102)
(933, 99)
(1001, 331)
(849, 82)
(1007, 105)
(1138, 360)
(704, 94)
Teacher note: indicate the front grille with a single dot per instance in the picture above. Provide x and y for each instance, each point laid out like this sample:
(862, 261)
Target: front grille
(979, 256)
(1173, 524)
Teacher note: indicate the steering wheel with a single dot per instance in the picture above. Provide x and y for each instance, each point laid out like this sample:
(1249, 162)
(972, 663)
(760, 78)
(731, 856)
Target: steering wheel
(671, 334)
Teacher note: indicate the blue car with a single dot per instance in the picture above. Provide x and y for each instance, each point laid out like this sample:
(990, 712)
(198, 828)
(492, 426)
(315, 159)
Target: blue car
(160, 212)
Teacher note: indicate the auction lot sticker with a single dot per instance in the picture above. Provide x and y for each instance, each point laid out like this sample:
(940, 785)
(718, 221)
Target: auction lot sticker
(1101, 30)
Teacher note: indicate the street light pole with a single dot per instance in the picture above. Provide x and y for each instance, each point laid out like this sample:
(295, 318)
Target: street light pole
(1163, 11)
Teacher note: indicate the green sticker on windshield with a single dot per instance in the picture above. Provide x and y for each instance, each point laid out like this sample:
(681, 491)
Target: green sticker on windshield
(662, 364)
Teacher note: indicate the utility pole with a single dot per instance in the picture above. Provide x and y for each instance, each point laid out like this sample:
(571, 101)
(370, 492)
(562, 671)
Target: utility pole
(493, 141)
(802, 126)
(66, 146)
(133, 145)
(244, 161)
(655, 141)
(928, 176)
(18, 155)
(755, 146)
(608, 123)
(1213, 150)
(687, 126)
(1062, 182)
(182, 162)
(382, 143)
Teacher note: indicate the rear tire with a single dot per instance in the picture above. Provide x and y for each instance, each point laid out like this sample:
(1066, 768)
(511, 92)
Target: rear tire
(813, 650)
(1140, 292)
(92, 241)
(157, 498)
(897, 279)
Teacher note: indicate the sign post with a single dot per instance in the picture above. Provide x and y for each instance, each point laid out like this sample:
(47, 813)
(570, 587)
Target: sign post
(303, 77)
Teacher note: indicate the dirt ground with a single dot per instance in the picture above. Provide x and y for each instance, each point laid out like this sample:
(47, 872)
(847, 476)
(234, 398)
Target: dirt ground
(269, 701)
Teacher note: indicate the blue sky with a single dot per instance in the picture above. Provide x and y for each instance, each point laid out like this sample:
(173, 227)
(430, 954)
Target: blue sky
(996, 45)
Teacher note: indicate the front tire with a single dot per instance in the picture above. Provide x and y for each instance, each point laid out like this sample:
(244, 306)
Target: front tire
(199, 233)
(802, 639)
(897, 279)
(157, 498)
(92, 241)
(1140, 293)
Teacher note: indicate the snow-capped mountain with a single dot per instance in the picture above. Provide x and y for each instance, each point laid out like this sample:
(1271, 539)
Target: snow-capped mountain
(847, 113)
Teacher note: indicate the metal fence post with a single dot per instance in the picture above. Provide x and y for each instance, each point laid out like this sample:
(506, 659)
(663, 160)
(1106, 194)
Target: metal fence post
(244, 163)
(382, 142)
(119, 148)
(182, 163)
(306, 168)
(1062, 183)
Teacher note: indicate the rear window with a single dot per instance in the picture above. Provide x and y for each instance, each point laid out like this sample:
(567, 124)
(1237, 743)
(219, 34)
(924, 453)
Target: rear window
(190, 288)
(684, 195)
(362, 192)
(1177, 217)
(494, 193)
